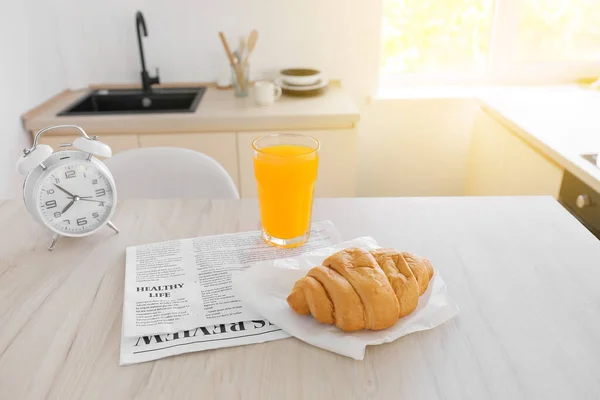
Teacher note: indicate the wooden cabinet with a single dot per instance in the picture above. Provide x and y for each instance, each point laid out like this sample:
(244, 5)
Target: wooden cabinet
(337, 162)
(117, 142)
(221, 146)
(502, 164)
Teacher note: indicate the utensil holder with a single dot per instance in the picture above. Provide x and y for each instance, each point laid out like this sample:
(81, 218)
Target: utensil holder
(240, 86)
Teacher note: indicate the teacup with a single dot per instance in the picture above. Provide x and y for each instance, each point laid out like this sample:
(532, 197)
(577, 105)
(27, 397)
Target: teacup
(265, 93)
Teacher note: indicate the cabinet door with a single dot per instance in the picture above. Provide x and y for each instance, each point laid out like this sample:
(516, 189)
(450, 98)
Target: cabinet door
(337, 162)
(502, 164)
(117, 143)
(220, 146)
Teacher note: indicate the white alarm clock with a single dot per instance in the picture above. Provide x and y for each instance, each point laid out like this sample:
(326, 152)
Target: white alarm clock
(71, 192)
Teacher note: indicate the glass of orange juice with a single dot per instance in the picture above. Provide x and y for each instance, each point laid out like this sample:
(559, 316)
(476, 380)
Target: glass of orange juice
(285, 167)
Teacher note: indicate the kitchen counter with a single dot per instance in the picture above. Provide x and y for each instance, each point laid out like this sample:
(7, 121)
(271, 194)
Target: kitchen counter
(561, 122)
(223, 127)
(219, 111)
(522, 270)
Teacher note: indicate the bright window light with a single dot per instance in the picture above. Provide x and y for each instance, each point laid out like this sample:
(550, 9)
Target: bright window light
(436, 35)
(559, 30)
(487, 41)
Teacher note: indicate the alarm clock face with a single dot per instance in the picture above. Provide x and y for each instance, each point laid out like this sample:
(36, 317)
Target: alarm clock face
(75, 198)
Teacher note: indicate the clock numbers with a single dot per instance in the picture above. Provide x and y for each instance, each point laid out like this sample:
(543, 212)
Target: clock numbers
(51, 204)
(70, 174)
(100, 192)
(81, 221)
(67, 221)
(94, 181)
(56, 180)
(95, 215)
(101, 204)
(57, 214)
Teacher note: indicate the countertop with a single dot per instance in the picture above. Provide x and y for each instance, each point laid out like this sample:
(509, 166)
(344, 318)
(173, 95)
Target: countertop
(219, 111)
(523, 271)
(562, 122)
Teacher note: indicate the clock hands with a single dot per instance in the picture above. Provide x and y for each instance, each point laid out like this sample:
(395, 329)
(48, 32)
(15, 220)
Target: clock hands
(87, 198)
(69, 193)
(74, 198)
(68, 206)
(78, 198)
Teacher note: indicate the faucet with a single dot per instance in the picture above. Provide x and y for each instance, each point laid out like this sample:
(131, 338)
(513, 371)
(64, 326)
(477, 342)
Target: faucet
(147, 80)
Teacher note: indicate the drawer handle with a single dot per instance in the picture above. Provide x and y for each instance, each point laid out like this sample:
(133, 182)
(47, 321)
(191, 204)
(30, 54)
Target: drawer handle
(583, 200)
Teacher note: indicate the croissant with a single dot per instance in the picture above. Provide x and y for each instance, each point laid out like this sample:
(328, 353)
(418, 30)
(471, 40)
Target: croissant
(357, 289)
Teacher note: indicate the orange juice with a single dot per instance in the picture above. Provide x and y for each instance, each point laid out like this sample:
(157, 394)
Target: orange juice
(286, 175)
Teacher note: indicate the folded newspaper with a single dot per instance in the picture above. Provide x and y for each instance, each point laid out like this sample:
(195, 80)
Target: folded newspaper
(179, 296)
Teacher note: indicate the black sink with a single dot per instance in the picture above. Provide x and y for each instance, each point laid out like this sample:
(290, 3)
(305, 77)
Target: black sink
(135, 101)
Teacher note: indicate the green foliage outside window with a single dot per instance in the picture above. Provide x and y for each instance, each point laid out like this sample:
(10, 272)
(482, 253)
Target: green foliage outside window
(454, 35)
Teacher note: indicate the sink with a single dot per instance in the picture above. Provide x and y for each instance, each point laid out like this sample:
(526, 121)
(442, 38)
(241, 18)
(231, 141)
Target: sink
(135, 101)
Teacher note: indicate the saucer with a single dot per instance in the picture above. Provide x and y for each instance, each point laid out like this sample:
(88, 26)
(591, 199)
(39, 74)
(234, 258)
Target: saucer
(322, 83)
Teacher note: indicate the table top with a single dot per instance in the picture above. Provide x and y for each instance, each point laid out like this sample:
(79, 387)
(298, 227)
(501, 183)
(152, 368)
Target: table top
(522, 270)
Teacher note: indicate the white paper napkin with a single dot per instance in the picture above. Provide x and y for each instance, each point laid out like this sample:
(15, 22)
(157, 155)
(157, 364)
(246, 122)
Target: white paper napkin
(265, 286)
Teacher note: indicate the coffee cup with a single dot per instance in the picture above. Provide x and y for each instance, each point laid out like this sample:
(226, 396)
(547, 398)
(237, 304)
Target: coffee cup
(265, 93)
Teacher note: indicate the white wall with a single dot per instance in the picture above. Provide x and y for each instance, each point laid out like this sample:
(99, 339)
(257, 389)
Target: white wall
(415, 147)
(407, 147)
(30, 72)
(341, 37)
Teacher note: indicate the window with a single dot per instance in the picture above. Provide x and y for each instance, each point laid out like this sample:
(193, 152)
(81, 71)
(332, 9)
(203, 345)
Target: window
(487, 41)
(554, 30)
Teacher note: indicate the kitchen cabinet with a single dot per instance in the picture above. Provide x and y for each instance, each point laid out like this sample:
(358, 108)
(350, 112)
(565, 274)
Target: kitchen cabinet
(233, 150)
(223, 128)
(502, 164)
(221, 146)
(117, 142)
(337, 162)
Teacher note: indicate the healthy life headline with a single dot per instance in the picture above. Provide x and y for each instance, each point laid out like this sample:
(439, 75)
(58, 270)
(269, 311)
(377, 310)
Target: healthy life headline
(159, 291)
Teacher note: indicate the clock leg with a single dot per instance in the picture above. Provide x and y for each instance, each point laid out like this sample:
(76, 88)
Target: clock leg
(54, 240)
(112, 226)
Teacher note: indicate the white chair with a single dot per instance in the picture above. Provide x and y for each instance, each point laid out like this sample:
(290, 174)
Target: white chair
(169, 172)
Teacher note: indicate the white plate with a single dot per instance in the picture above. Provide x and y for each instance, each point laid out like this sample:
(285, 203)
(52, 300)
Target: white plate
(295, 88)
(264, 287)
(303, 80)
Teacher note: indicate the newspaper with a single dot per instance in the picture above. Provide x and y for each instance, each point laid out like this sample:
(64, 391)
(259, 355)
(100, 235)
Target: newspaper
(180, 285)
(153, 347)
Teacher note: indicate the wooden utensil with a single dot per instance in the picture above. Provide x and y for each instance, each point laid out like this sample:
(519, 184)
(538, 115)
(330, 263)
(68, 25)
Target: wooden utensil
(251, 44)
(239, 73)
(242, 48)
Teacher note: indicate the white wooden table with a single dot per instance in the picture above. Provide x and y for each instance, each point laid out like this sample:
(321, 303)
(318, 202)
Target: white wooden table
(525, 274)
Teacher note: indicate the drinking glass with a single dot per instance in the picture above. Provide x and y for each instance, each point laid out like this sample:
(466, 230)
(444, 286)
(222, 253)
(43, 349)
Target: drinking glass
(240, 88)
(285, 167)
